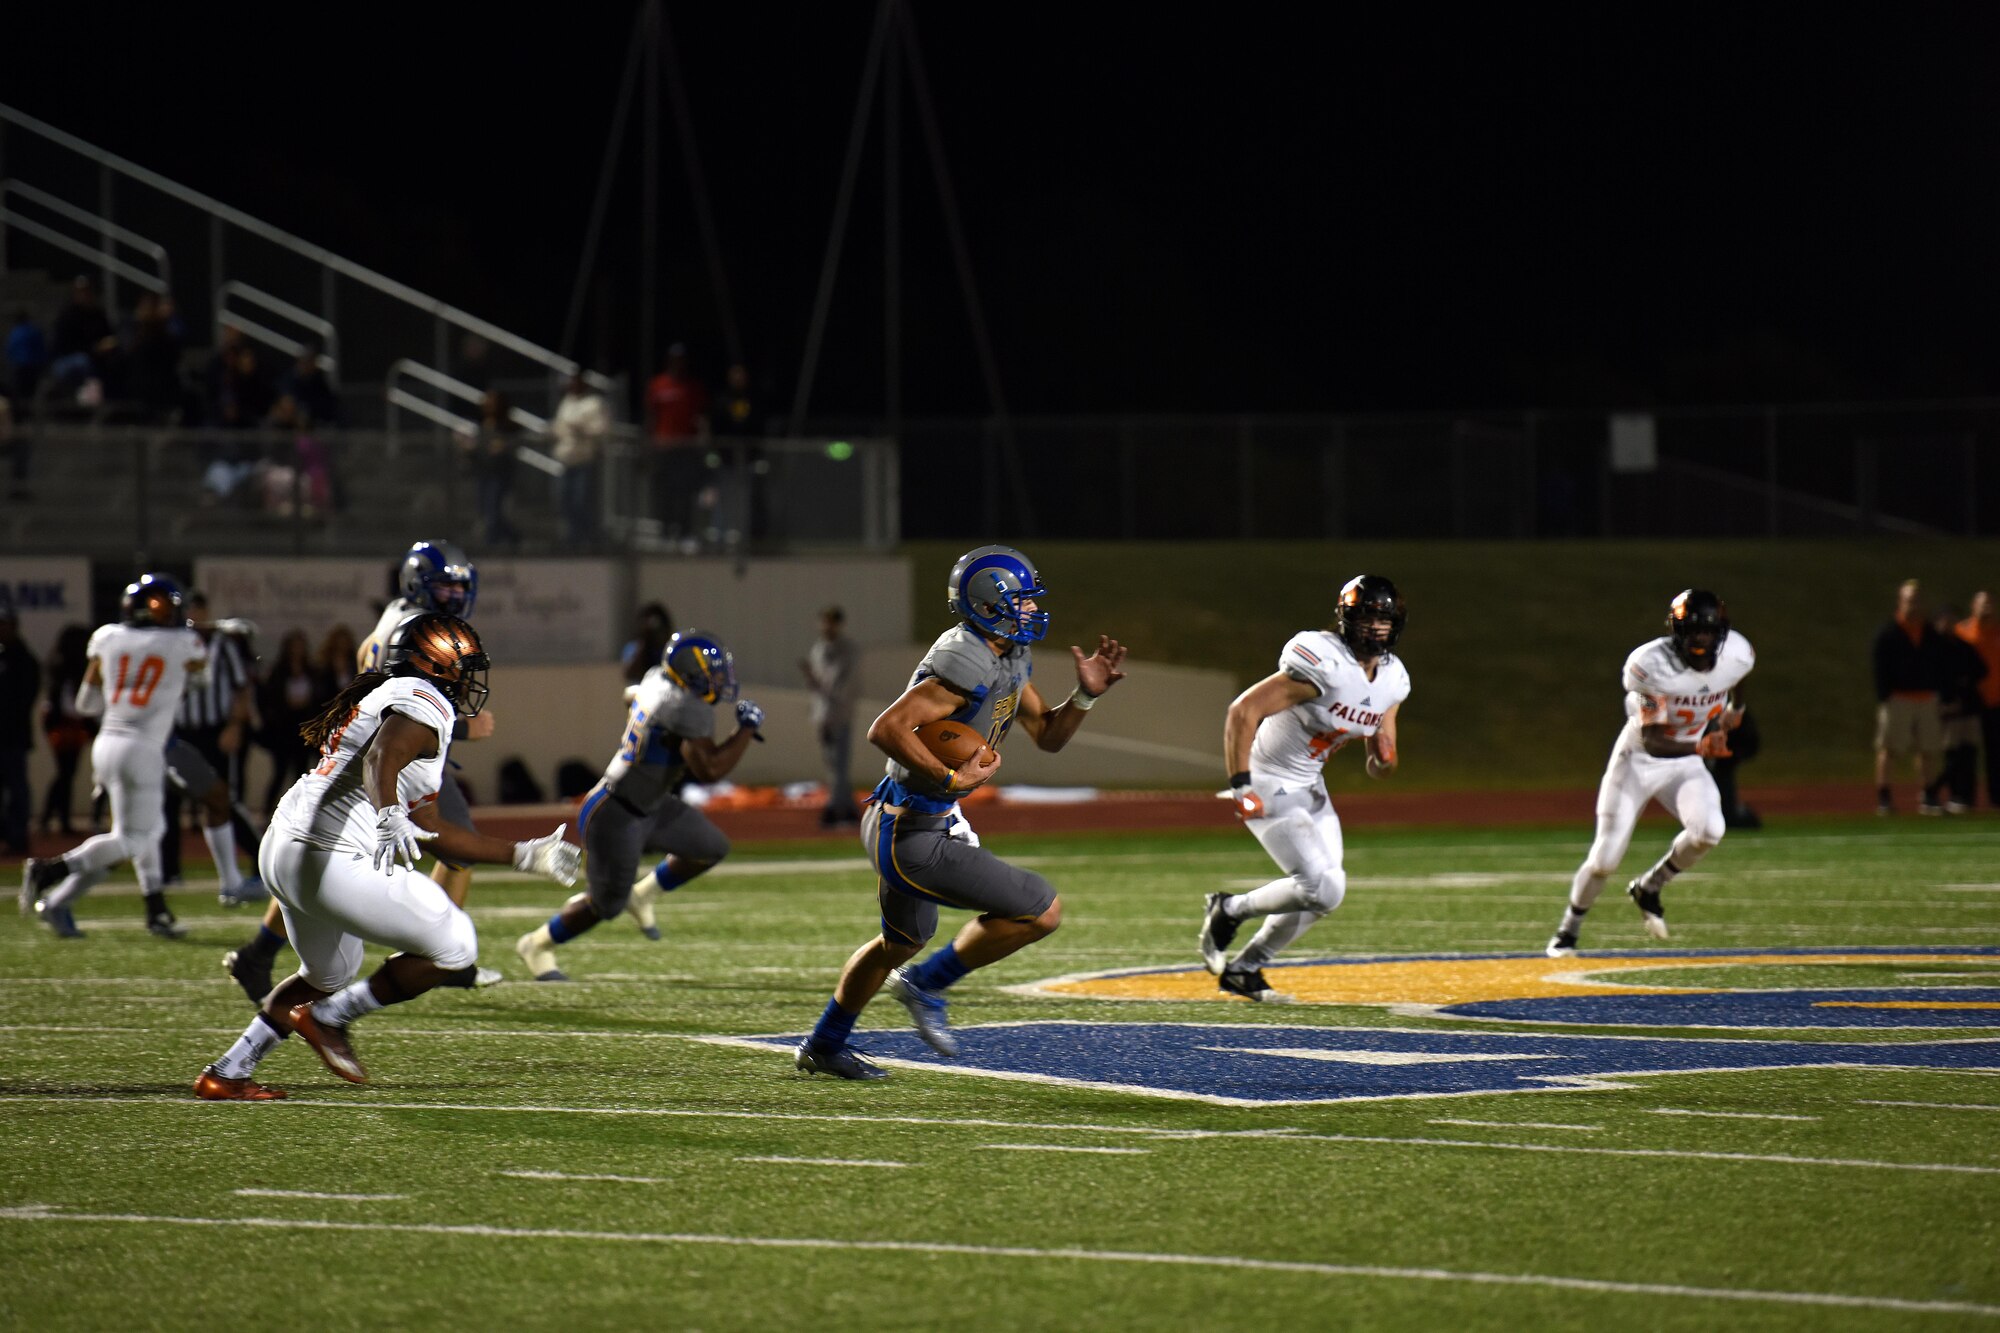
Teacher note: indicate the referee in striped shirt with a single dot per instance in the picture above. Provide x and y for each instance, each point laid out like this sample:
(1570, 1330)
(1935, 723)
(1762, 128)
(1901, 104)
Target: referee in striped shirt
(214, 718)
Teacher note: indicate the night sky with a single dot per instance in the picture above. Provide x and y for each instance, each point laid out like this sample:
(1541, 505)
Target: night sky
(1235, 209)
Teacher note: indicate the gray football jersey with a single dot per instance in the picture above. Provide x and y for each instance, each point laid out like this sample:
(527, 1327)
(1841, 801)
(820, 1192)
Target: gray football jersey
(993, 686)
(660, 717)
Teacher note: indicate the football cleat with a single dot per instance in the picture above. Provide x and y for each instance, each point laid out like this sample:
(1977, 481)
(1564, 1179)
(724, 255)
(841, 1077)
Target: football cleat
(1251, 986)
(541, 962)
(1218, 928)
(487, 976)
(251, 971)
(60, 921)
(38, 876)
(1929, 807)
(927, 1012)
(330, 1041)
(1650, 909)
(164, 925)
(841, 1062)
(213, 1087)
(1562, 944)
(248, 890)
(640, 905)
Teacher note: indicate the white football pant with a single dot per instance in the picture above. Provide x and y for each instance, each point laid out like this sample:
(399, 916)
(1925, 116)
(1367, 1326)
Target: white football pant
(1682, 785)
(333, 901)
(133, 772)
(1301, 833)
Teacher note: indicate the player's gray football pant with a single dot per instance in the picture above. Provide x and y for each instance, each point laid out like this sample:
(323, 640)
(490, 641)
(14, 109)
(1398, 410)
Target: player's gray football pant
(1683, 785)
(1301, 833)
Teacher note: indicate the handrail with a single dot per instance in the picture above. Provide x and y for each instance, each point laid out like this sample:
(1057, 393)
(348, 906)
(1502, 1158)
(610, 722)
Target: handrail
(159, 284)
(347, 268)
(329, 337)
(152, 249)
(432, 412)
(458, 389)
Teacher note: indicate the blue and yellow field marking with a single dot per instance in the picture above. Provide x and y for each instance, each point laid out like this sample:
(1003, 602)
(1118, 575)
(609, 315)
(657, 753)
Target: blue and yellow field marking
(1599, 989)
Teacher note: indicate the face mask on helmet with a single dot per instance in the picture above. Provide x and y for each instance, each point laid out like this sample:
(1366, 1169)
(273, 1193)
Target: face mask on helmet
(445, 651)
(1369, 615)
(438, 577)
(991, 589)
(701, 664)
(1699, 623)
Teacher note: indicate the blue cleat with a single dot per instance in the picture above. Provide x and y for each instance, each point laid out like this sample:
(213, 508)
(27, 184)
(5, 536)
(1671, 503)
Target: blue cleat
(60, 921)
(841, 1062)
(927, 1011)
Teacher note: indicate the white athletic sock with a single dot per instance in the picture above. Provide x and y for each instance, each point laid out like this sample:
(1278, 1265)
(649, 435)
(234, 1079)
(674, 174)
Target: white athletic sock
(255, 1043)
(1572, 919)
(72, 888)
(221, 842)
(1583, 890)
(1280, 895)
(1278, 930)
(350, 1004)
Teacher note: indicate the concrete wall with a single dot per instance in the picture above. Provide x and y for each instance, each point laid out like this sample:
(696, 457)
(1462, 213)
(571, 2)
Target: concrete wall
(768, 610)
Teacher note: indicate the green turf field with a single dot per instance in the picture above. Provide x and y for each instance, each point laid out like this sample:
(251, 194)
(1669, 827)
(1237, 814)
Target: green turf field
(565, 1156)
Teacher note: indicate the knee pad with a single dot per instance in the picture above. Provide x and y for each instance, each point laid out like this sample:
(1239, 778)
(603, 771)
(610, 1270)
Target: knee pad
(1705, 835)
(460, 948)
(1323, 891)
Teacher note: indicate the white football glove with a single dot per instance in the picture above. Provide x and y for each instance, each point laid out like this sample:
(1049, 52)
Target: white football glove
(397, 839)
(550, 856)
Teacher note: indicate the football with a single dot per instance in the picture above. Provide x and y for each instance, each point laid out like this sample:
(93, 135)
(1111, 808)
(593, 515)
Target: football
(953, 743)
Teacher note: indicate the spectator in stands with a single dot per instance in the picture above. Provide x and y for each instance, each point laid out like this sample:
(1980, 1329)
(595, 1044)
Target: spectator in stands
(80, 330)
(652, 627)
(335, 659)
(676, 404)
(475, 362)
(1981, 629)
(307, 385)
(581, 422)
(20, 683)
(735, 419)
(297, 478)
(1907, 671)
(832, 668)
(27, 359)
(1961, 671)
(247, 394)
(69, 732)
(153, 357)
(290, 695)
(490, 449)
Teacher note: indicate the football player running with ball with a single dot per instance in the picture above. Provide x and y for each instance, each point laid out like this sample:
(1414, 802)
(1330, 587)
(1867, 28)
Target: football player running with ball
(1331, 687)
(340, 852)
(1678, 712)
(669, 730)
(925, 853)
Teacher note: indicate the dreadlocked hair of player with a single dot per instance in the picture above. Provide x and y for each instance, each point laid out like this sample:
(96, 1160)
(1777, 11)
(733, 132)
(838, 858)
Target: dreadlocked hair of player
(315, 732)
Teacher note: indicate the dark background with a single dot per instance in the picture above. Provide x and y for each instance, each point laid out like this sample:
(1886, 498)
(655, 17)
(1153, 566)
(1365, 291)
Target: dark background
(1231, 209)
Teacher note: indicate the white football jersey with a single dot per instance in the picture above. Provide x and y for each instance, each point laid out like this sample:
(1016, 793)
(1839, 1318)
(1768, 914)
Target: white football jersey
(1292, 746)
(145, 672)
(329, 806)
(369, 654)
(1662, 689)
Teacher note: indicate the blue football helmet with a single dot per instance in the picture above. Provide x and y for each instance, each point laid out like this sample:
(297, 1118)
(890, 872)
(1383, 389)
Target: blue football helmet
(152, 600)
(702, 665)
(988, 587)
(438, 577)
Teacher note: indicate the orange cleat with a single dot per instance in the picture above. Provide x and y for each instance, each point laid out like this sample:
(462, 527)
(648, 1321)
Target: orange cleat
(213, 1087)
(329, 1041)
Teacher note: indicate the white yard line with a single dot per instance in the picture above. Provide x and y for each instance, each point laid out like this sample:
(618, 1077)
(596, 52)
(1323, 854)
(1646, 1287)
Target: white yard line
(1058, 1147)
(1726, 1115)
(42, 1213)
(1684, 1155)
(1516, 1124)
(1935, 1106)
(311, 1194)
(563, 1175)
(824, 1161)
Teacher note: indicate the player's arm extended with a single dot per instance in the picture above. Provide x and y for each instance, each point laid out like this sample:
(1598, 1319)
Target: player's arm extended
(1383, 752)
(894, 734)
(1269, 696)
(1051, 728)
(401, 742)
(708, 762)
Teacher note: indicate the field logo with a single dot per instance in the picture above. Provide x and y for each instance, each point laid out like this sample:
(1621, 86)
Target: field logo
(1613, 989)
(1241, 1064)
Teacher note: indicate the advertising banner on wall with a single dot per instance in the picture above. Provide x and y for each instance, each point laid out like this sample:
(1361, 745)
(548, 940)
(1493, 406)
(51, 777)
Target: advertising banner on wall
(46, 595)
(529, 612)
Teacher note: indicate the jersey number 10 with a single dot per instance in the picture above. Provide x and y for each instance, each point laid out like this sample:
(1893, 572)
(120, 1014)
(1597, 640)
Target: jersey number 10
(141, 682)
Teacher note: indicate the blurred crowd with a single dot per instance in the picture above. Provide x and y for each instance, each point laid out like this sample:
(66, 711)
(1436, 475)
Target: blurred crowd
(1937, 701)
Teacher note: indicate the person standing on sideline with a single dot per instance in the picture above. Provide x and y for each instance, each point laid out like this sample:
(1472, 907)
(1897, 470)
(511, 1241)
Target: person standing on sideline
(214, 724)
(1906, 701)
(1961, 671)
(69, 731)
(832, 668)
(581, 422)
(20, 682)
(1981, 629)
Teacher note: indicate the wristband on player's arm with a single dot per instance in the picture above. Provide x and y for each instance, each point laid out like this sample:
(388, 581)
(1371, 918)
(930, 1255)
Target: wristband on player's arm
(1239, 779)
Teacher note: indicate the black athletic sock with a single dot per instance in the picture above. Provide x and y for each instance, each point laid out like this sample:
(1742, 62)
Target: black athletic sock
(156, 905)
(266, 944)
